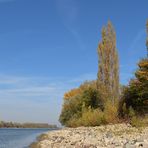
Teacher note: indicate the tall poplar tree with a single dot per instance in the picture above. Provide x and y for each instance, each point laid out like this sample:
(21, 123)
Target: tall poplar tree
(108, 74)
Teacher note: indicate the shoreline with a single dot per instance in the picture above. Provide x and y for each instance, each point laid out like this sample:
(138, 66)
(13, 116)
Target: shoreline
(105, 136)
(26, 128)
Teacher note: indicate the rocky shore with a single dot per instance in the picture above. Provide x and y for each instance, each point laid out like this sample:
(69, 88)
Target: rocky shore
(108, 136)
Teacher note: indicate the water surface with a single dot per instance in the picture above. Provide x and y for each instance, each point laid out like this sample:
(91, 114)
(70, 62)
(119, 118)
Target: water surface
(19, 138)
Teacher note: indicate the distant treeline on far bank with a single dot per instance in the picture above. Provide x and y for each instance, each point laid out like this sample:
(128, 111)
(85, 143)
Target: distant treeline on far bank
(25, 125)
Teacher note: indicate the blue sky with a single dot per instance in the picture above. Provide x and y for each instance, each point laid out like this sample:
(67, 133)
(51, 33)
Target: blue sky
(50, 46)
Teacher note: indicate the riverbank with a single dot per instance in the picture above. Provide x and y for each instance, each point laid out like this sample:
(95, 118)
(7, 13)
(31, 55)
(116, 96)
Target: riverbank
(110, 136)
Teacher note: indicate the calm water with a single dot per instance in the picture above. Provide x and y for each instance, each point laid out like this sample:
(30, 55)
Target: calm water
(19, 138)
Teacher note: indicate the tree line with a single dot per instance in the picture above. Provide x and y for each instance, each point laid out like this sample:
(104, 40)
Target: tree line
(105, 100)
(25, 125)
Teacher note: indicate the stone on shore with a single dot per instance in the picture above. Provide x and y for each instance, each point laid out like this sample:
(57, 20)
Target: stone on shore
(106, 136)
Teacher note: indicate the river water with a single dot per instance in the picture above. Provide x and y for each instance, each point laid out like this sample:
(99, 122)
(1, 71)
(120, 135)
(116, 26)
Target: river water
(19, 138)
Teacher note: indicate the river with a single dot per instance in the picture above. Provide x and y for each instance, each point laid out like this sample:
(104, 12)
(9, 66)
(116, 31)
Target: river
(19, 138)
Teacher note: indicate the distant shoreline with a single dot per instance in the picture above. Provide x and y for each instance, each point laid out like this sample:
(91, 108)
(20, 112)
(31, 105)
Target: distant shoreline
(26, 128)
(25, 125)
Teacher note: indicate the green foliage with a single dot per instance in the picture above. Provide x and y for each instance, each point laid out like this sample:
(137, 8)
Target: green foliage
(71, 108)
(97, 102)
(136, 94)
(125, 111)
(88, 109)
(91, 98)
(139, 122)
(83, 97)
(90, 117)
(95, 117)
(131, 112)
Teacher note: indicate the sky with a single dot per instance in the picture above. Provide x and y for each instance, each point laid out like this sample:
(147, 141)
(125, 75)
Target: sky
(48, 47)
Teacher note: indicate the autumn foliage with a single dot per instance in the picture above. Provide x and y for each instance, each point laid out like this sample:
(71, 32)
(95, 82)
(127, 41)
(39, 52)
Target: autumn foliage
(99, 102)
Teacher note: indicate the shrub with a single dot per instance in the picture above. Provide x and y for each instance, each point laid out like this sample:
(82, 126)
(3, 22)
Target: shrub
(95, 117)
(111, 112)
(135, 95)
(131, 112)
(90, 117)
(86, 95)
(139, 121)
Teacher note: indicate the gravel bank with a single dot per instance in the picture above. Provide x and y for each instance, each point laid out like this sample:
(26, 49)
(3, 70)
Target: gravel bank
(109, 136)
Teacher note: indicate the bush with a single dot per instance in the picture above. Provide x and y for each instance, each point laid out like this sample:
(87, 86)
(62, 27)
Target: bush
(131, 112)
(139, 122)
(90, 117)
(135, 95)
(86, 95)
(71, 108)
(95, 117)
(111, 112)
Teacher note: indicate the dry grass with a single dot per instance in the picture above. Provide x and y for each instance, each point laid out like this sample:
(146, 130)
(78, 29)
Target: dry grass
(139, 121)
(96, 117)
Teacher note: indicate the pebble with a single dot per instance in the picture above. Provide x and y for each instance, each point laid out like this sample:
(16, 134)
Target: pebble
(108, 136)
